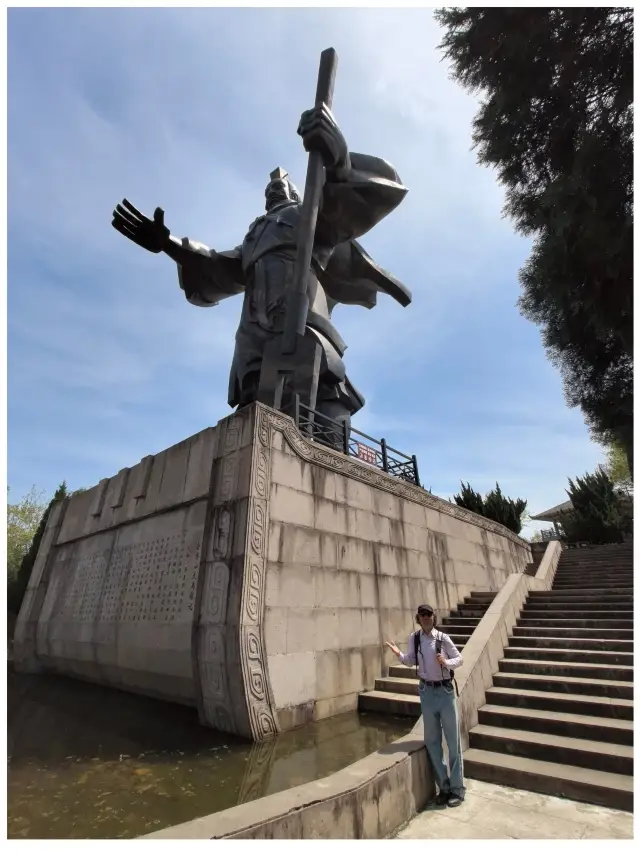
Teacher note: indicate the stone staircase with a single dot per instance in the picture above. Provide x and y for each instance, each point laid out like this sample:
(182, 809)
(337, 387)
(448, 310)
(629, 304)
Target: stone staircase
(559, 716)
(398, 693)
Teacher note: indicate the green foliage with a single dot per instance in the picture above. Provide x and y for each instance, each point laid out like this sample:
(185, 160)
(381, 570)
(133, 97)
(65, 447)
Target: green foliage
(598, 516)
(556, 122)
(617, 466)
(470, 499)
(18, 575)
(22, 522)
(494, 505)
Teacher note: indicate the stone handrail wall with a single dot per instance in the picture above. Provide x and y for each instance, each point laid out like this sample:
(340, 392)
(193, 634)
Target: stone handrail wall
(374, 796)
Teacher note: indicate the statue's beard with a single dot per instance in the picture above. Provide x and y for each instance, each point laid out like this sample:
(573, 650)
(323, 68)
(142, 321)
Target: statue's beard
(276, 199)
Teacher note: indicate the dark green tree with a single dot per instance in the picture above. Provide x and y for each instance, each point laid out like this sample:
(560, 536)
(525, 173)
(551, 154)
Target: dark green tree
(494, 505)
(18, 585)
(470, 499)
(556, 122)
(598, 516)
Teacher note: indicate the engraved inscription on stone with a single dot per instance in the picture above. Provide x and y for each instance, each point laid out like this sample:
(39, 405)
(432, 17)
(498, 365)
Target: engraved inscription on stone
(147, 581)
(83, 597)
(162, 580)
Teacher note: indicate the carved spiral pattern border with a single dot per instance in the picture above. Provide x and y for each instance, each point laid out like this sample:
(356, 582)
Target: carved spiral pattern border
(263, 718)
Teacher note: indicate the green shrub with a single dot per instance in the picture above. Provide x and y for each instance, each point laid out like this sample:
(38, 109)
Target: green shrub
(494, 505)
(598, 516)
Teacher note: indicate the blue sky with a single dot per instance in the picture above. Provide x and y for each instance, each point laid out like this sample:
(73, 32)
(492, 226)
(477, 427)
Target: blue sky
(190, 110)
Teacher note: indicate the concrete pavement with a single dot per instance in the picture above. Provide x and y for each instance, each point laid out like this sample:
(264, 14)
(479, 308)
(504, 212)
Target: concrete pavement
(496, 812)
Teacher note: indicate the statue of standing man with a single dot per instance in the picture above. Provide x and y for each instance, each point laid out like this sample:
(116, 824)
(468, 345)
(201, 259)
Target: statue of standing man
(357, 192)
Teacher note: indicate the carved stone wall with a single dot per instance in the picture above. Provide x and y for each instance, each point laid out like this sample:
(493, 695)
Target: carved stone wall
(248, 572)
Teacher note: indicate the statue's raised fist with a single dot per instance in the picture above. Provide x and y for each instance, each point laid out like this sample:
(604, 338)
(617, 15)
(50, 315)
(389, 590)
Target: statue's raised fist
(152, 234)
(320, 132)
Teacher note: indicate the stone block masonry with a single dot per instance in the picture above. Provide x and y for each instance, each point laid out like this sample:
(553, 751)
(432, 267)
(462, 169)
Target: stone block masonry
(250, 573)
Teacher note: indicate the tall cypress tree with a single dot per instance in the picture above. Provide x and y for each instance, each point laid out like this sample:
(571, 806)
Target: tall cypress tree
(556, 122)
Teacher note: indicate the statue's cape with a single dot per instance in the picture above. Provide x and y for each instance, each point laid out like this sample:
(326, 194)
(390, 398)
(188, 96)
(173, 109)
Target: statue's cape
(352, 204)
(352, 277)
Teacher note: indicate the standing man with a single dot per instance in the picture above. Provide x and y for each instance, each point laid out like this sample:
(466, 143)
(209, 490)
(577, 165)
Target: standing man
(435, 656)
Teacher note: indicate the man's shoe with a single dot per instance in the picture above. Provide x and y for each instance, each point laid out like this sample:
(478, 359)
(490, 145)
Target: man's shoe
(442, 799)
(455, 800)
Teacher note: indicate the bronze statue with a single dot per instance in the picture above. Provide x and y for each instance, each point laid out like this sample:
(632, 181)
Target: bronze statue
(352, 192)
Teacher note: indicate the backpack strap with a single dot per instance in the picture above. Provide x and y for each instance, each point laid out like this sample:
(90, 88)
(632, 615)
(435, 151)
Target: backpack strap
(452, 673)
(416, 648)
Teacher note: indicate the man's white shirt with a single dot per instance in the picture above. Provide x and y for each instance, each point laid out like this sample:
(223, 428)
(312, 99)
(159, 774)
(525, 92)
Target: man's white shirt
(428, 667)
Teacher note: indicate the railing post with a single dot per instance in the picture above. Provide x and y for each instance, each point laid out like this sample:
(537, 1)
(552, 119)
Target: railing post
(385, 458)
(415, 470)
(345, 437)
(296, 410)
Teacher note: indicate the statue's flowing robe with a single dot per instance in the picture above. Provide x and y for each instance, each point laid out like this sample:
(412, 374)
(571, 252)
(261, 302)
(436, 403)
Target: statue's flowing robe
(342, 272)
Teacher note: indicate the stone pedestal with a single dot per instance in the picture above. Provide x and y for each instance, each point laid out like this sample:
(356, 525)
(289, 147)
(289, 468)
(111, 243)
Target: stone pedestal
(250, 573)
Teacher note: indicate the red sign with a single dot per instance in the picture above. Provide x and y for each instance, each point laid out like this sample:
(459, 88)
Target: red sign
(367, 454)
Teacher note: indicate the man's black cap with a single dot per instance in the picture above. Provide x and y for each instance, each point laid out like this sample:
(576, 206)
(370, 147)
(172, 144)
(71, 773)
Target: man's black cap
(425, 610)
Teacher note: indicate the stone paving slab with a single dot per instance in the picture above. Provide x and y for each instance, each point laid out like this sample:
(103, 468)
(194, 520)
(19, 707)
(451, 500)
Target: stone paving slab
(497, 812)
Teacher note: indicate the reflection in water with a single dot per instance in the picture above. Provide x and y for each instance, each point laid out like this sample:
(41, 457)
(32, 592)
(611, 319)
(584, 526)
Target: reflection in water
(90, 762)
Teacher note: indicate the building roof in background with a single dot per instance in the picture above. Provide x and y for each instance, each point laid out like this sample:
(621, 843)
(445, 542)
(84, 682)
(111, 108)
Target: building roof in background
(556, 512)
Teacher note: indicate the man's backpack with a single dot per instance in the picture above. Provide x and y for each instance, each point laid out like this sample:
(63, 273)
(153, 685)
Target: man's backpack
(416, 644)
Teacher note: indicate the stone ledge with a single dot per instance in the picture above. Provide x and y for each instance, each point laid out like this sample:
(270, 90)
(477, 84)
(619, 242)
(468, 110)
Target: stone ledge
(368, 799)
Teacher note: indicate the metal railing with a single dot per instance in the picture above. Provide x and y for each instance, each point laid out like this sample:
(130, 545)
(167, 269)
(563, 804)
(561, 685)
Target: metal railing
(549, 535)
(339, 436)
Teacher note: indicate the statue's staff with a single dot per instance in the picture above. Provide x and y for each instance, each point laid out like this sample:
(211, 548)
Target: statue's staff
(298, 300)
(292, 357)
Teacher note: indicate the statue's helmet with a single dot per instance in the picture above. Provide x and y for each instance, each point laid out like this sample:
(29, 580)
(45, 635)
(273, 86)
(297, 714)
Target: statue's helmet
(280, 189)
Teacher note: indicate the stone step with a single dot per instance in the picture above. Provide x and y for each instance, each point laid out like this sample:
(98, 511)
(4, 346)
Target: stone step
(566, 669)
(580, 752)
(595, 566)
(587, 585)
(566, 703)
(459, 640)
(481, 596)
(461, 621)
(584, 599)
(527, 622)
(605, 595)
(399, 670)
(545, 777)
(580, 606)
(593, 579)
(596, 560)
(569, 642)
(577, 686)
(604, 633)
(588, 582)
(563, 724)
(391, 684)
(466, 612)
(398, 704)
(558, 611)
(466, 630)
(590, 575)
(571, 655)
(580, 590)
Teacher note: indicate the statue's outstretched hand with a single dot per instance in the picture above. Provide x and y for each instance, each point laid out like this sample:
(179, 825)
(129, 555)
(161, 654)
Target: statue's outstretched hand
(152, 234)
